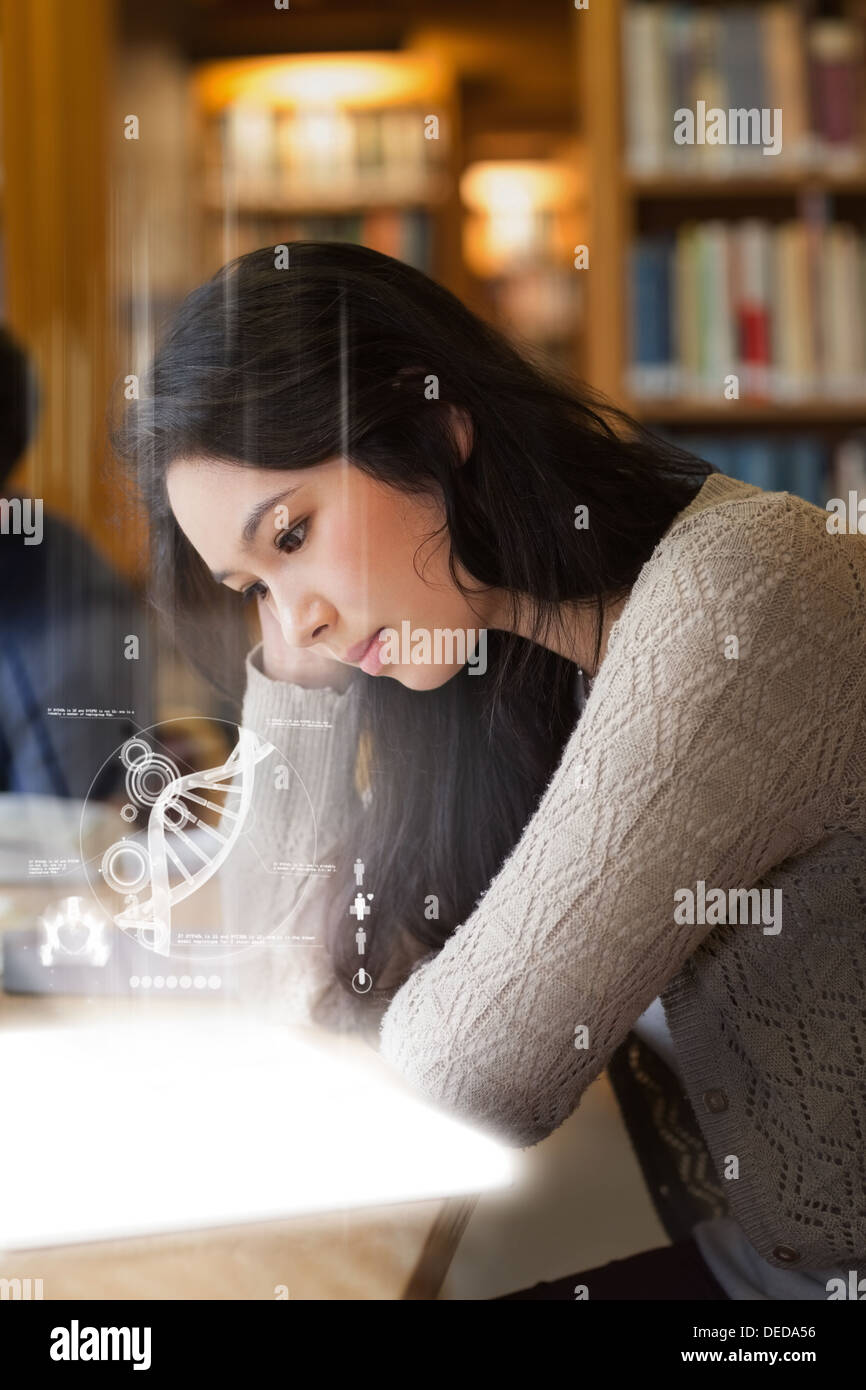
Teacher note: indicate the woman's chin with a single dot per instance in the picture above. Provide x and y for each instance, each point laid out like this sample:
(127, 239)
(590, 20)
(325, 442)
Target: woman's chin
(420, 677)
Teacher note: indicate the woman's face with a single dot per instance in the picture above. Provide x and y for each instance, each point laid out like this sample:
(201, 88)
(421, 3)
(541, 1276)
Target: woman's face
(336, 557)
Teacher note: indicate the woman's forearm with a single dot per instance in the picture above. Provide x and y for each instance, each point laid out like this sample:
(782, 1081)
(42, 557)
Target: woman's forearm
(304, 800)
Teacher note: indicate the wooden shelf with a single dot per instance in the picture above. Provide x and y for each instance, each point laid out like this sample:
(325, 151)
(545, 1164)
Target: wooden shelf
(435, 191)
(818, 412)
(743, 185)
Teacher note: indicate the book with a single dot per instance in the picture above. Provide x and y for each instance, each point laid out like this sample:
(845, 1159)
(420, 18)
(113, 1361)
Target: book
(644, 82)
(836, 81)
(784, 50)
(753, 273)
(651, 337)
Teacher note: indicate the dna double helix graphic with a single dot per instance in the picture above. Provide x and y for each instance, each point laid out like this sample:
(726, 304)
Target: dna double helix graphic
(172, 817)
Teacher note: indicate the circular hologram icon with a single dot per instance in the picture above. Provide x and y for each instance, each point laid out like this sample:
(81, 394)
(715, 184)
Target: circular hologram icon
(135, 750)
(126, 866)
(129, 812)
(148, 778)
(175, 814)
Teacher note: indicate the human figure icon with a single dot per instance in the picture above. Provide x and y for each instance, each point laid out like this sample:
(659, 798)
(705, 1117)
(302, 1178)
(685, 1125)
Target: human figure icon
(360, 908)
(361, 938)
(359, 872)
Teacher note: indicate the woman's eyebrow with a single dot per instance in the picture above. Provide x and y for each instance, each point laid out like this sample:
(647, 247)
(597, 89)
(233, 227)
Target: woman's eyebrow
(252, 523)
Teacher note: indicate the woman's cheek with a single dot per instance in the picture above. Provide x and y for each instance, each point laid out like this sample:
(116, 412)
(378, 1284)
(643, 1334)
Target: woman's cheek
(343, 554)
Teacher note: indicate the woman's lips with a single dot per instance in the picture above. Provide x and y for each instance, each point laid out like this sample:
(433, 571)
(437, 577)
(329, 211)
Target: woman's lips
(355, 655)
(371, 662)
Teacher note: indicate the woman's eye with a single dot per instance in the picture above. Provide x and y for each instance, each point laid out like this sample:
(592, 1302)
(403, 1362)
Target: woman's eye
(282, 543)
(282, 540)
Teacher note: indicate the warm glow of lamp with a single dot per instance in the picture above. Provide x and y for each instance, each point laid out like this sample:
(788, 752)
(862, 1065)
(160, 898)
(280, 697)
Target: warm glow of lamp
(324, 132)
(506, 198)
(327, 83)
(504, 185)
(322, 79)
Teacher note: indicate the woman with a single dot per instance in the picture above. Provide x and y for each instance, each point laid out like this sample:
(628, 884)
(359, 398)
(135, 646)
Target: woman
(659, 701)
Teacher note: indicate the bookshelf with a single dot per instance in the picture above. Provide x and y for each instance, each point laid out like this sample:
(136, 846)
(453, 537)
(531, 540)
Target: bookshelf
(771, 297)
(332, 146)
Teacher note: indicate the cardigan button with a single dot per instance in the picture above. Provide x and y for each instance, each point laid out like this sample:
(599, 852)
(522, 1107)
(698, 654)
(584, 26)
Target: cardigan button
(715, 1101)
(786, 1254)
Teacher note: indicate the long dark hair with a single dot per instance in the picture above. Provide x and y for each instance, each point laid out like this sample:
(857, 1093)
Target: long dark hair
(351, 353)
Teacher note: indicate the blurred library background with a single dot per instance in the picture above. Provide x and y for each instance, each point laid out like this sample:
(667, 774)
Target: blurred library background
(525, 156)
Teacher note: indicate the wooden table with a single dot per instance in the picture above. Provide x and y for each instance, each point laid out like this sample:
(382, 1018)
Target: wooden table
(394, 1252)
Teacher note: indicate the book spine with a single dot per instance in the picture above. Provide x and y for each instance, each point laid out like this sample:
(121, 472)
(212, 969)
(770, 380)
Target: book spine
(686, 337)
(678, 39)
(783, 46)
(804, 470)
(645, 82)
(837, 79)
(650, 281)
(753, 306)
(849, 467)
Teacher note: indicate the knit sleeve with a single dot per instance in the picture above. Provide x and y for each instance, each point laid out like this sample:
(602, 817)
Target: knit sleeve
(703, 753)
(297, 834)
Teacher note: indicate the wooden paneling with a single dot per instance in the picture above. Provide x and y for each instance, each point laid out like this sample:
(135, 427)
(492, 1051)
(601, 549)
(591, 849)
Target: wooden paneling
(597, 40)
(56, 133)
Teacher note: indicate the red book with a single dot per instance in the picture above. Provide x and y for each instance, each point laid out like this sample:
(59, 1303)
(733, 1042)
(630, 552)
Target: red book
(835, 76)
(755, 334)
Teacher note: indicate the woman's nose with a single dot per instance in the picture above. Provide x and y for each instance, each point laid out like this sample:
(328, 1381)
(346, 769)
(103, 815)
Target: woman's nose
(302, 629)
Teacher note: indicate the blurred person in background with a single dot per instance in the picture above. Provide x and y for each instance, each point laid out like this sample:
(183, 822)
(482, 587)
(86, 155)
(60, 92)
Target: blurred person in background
(64, 621)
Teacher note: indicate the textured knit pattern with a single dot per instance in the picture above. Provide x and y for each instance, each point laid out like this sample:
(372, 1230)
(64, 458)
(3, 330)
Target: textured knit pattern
(686, 765)
(304, 804)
